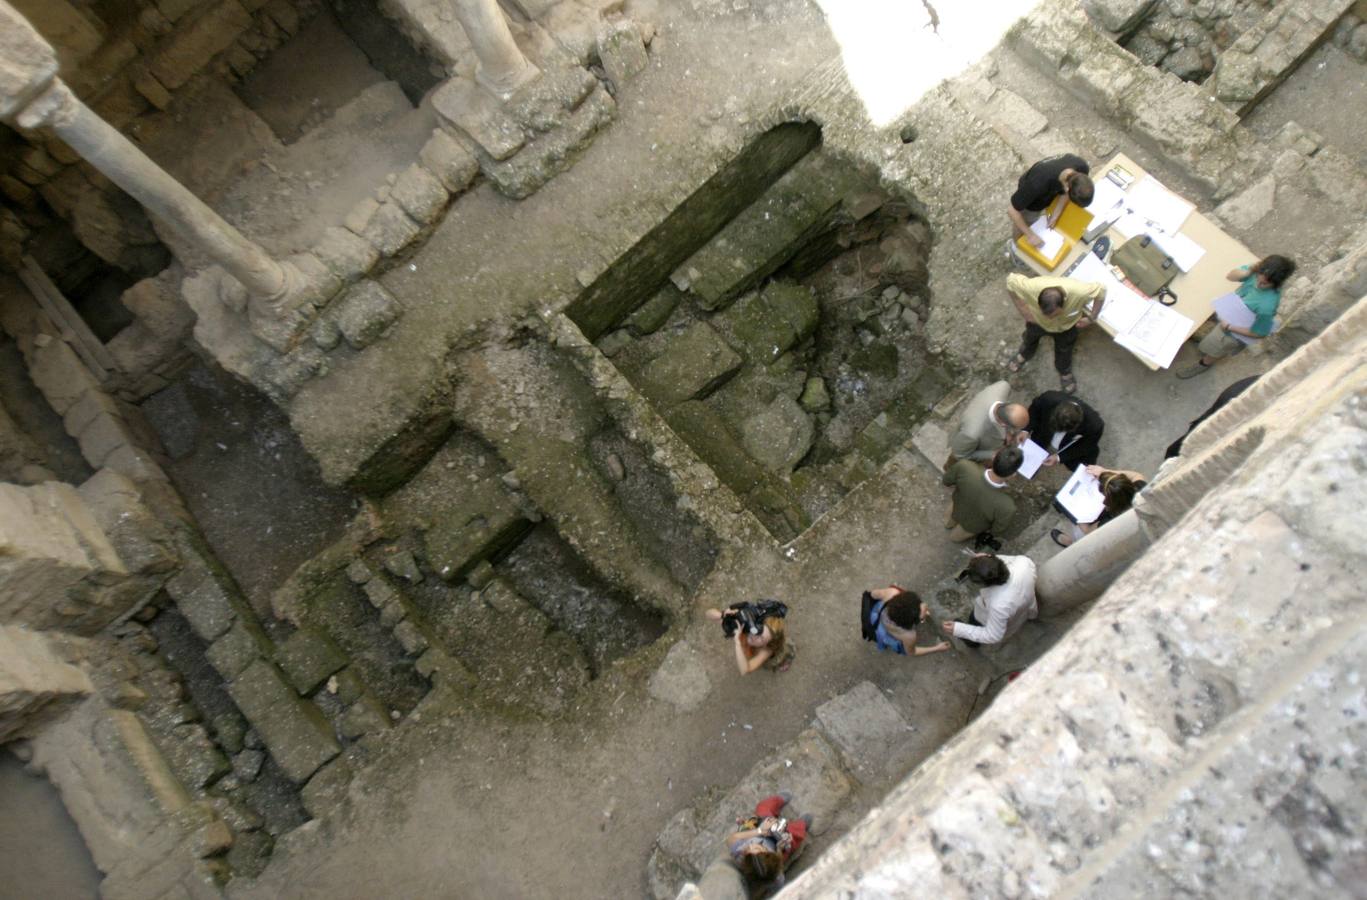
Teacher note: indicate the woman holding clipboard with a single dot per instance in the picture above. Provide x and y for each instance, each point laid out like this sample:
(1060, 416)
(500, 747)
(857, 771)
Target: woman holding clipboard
(1260, 289)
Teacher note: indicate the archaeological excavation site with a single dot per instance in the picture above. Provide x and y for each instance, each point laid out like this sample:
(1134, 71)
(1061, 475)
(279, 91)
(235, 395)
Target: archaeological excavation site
(390, 388)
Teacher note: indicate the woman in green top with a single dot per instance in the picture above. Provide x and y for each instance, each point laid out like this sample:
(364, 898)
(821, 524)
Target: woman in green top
(1260, 287)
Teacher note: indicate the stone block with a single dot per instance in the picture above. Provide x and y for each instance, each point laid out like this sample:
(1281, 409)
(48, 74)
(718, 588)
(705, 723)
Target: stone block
(769, 323)
(381, 593)
(358, 572)
(145, 83)
(193, 757)
(693, 364)
(295, 732)
(390, 229)
(283, 14)
(622, 52)
(345, 254)
(1118, 16)
(35, 683)
(328, 788)
(283, 376)
(865, 727)
(548, 101)
(651, 316)
(324, 332)
(197, 40)
(478, 116)
(359, 216)
(420, 194)
(102, 436)
(681, 680)
(307, 658)
(410, 637)
(445, 158)
(779, 436)
(815, 396)
(91, 404)
(554, 152)
(136, 464)
(364, 313)
(60, 375)
(203, 600)
(140, 539)
(402, 564)
(239, 647)
(459, 538)
(365, 716)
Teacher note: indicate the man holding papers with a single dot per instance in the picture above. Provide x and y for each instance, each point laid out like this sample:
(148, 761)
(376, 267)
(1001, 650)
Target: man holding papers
(1053, 306)
(980, 503)
(1259, 294)
(1068, 429)
(1041, 185)
(988, 424)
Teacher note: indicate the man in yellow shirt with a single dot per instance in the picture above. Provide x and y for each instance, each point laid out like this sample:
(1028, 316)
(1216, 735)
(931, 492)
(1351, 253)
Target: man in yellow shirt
(1057, 307)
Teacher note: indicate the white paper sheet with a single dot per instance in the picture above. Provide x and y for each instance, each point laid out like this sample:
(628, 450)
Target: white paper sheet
(1035, 455)
(1106, 196)
(1158, 334)
(1151, 200)
(1230, 308)
(1131, 224)
(1183, 250)
(1081, 496)
(1053, 240)
(1124, 308)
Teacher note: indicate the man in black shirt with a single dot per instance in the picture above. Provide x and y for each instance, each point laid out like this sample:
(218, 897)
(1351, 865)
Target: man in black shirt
(1041, 184)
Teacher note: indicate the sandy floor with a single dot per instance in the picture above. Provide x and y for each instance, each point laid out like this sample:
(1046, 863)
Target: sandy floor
(41, 852)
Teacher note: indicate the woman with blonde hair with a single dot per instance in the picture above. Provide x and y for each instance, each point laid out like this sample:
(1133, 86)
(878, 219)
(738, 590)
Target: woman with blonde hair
(759, 634)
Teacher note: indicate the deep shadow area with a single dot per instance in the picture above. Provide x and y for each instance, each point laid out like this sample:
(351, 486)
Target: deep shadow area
(41, 852)
(256, 493)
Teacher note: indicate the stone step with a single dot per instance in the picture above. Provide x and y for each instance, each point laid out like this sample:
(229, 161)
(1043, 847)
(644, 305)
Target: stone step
(756, 243)
(852, 741)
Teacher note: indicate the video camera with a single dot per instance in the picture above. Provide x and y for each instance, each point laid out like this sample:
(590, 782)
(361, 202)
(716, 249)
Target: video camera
(750, 616)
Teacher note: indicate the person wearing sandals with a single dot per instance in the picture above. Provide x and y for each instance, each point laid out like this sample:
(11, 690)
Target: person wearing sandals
(889, 616)
(1057, 307)
(1260, 288)
(766, 844)
(1119, 488)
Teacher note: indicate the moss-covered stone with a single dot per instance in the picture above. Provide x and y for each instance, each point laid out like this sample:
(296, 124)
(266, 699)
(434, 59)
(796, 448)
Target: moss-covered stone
(877, 360)
(767, 323)
(694, 364)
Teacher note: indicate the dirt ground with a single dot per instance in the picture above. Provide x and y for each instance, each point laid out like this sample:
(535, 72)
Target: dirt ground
(41, 852)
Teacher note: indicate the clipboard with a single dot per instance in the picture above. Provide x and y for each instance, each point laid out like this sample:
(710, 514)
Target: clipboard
(1072, 222)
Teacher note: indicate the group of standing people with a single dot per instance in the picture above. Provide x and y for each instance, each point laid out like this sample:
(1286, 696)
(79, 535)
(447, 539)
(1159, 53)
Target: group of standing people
(985, 454)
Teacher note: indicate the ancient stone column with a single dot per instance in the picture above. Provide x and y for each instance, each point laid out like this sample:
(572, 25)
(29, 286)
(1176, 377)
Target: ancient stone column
(502, 67)
(32, 96)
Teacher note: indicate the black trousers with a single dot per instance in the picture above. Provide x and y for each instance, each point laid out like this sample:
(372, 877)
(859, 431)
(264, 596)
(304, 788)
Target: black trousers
(1063, 345)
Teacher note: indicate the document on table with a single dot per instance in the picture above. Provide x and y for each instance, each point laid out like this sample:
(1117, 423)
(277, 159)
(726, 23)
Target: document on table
(1053, 240)
(1183, 250)
(1081, 498)
(1106, 196)
(1157, 335)
(1230, 308)
(1035, 455)
(1151, 200)
(1124, 307)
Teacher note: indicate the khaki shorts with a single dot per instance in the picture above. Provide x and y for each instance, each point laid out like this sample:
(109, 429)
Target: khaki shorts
(1218, 344)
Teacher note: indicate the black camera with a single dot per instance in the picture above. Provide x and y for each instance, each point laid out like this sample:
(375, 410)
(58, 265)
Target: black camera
(749, 616)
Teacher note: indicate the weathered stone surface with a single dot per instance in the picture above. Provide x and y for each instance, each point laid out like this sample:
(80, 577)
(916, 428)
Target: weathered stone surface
(815, 397)
(695, 363)
(307, 658)
(622, 51)
(35, 683)
(58, 372)
(134, 463)
(364, 313)
(238, 647)
(363, 717)
(326, 789)
(445, 158)
(410, 637)
(651, 316)
(390, 229)
(203, 600)
(420, 194)
(285, 375)
(548, 101)
(295, 732)
(770, 322)
(102, 436)
(865, 727)
(464, 537)
(478, 115)
(681, 680)
(778, 436)
(808, 767)
(345, 254)
(402, 564)
(1118, 16)
(195, 42)
(553, 152)
(140, 539)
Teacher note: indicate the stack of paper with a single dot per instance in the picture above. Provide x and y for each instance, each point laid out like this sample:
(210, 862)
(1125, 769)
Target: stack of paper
(1081, 498)
(1035, 455)
(1107, 195)
(1157, 335)
(1053, 240)
(1154, 202)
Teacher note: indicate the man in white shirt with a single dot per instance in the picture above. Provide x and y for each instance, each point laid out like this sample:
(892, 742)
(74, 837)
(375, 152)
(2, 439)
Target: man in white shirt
(1006, 601)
